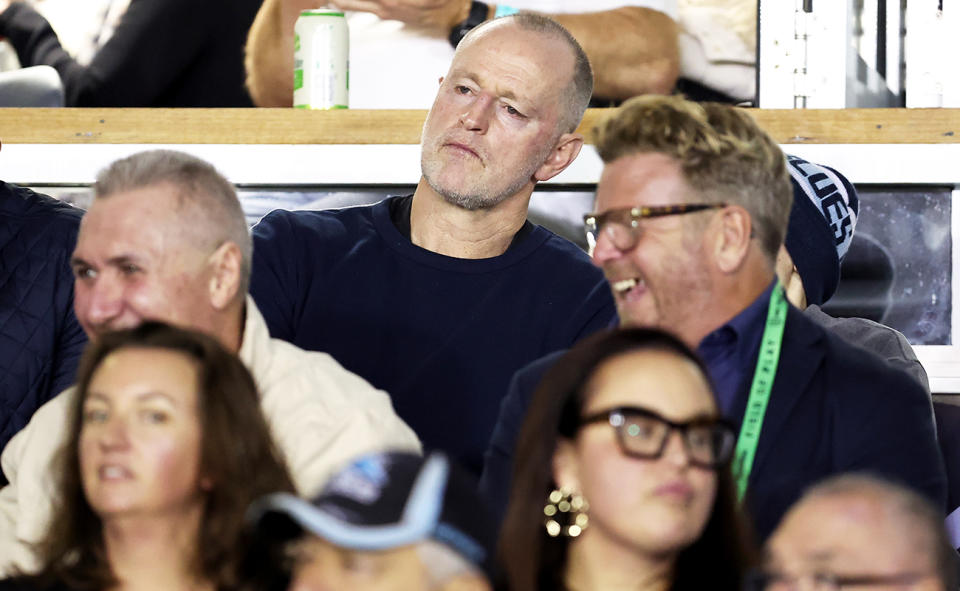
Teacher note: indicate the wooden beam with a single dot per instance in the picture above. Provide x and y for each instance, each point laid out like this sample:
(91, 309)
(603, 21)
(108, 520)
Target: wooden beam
(850, 126)
(209, 126)
(292, 126)
(861, 126)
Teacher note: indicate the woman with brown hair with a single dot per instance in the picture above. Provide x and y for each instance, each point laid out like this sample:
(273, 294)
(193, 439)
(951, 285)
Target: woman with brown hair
(167, 448)
(622, 476)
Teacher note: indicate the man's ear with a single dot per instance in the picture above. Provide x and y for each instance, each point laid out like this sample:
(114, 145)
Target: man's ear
(732, 231)
(790, 279)
(564, 152)
(226, 271)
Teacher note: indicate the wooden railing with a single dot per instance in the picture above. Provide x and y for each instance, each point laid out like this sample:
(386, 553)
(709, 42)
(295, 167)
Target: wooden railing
(290, 126)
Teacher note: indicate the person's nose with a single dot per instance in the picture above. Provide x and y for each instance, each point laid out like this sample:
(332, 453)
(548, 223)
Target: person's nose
(313, 576)
(477, 113)
(605, 248)
(676, 451)
(114, 433)
(782, 586)
(100, 301)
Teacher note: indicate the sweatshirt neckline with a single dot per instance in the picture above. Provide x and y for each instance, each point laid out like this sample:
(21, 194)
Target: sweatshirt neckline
(406, 248)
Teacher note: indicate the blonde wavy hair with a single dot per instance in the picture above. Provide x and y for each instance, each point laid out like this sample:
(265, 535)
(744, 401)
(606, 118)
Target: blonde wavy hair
(723, 153)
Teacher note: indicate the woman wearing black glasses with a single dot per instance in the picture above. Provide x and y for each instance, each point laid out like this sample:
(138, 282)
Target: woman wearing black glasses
(622, 477)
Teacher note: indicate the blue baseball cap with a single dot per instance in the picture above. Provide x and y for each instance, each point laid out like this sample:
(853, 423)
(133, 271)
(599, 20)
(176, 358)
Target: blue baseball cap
(385, 501)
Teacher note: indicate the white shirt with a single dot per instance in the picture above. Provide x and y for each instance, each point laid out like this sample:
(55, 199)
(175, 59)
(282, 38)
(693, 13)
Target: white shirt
(718, 44)
(398, 66)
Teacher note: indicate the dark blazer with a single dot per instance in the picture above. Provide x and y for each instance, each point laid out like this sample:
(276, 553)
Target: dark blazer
(40, 339)
(834, 408)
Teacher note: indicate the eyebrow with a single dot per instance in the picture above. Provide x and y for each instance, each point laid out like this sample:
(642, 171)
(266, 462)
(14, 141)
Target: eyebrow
(509, 95)
(115, 261)
(144, 396)
(76, 261)
(96, 396)
(820, 555)
(702, 417)
(506, 94)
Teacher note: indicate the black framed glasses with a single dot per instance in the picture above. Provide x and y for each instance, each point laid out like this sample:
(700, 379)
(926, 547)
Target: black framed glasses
(642, 433)
(622, 226)
(768, 580)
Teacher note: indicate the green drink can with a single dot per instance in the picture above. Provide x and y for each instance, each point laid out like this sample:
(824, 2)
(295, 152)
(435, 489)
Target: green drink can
(321, 66)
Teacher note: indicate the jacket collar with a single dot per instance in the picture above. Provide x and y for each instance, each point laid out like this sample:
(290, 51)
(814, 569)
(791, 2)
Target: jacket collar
(255, 344)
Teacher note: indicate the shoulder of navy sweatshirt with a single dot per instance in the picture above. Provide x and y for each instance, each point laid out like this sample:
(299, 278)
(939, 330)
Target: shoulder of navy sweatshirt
(442, 335)
(497, 476)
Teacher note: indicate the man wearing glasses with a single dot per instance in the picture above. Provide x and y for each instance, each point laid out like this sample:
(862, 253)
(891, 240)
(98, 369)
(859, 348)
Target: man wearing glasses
(859, 532)
(691, 210)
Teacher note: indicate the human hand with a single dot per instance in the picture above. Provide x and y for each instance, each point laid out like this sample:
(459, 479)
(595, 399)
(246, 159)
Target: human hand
(291, 9)
(4, 4)
(441, 14)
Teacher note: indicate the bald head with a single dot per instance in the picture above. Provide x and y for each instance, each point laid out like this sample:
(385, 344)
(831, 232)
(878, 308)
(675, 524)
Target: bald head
(576, 95)
(862, 526)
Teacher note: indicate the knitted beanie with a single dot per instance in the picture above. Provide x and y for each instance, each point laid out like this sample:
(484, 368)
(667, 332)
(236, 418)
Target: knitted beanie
(822, 221)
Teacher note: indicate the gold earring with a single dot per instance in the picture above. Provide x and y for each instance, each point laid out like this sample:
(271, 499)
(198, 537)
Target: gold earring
(566, 513)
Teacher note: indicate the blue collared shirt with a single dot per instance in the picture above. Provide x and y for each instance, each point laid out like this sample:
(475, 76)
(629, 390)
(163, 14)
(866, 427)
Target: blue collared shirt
(730, 351)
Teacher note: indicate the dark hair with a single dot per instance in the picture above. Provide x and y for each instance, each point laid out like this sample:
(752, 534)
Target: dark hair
(237, 455)
(535, 561)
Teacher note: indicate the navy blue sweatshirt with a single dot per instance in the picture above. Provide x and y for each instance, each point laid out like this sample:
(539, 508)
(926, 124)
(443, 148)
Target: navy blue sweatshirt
(442, 335)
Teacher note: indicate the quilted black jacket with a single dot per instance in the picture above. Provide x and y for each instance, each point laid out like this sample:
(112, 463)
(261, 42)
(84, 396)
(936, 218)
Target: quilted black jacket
(40, 339)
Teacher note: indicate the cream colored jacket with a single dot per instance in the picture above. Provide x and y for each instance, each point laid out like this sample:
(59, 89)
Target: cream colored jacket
(320, 414)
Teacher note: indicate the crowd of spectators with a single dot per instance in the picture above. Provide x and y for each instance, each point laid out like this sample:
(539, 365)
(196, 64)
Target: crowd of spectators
(432, 392)
(173, 53)
(166, 53)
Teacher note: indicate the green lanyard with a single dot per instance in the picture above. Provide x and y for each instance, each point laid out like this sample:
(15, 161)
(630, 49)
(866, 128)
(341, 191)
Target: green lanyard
(760, 389)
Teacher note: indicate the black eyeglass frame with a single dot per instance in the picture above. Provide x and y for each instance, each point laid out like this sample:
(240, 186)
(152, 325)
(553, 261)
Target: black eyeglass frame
(616, 417)
(593, 222)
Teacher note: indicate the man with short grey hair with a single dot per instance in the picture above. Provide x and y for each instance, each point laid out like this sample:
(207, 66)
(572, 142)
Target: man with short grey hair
(858, 530)
(165, 239)
(438, 297)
